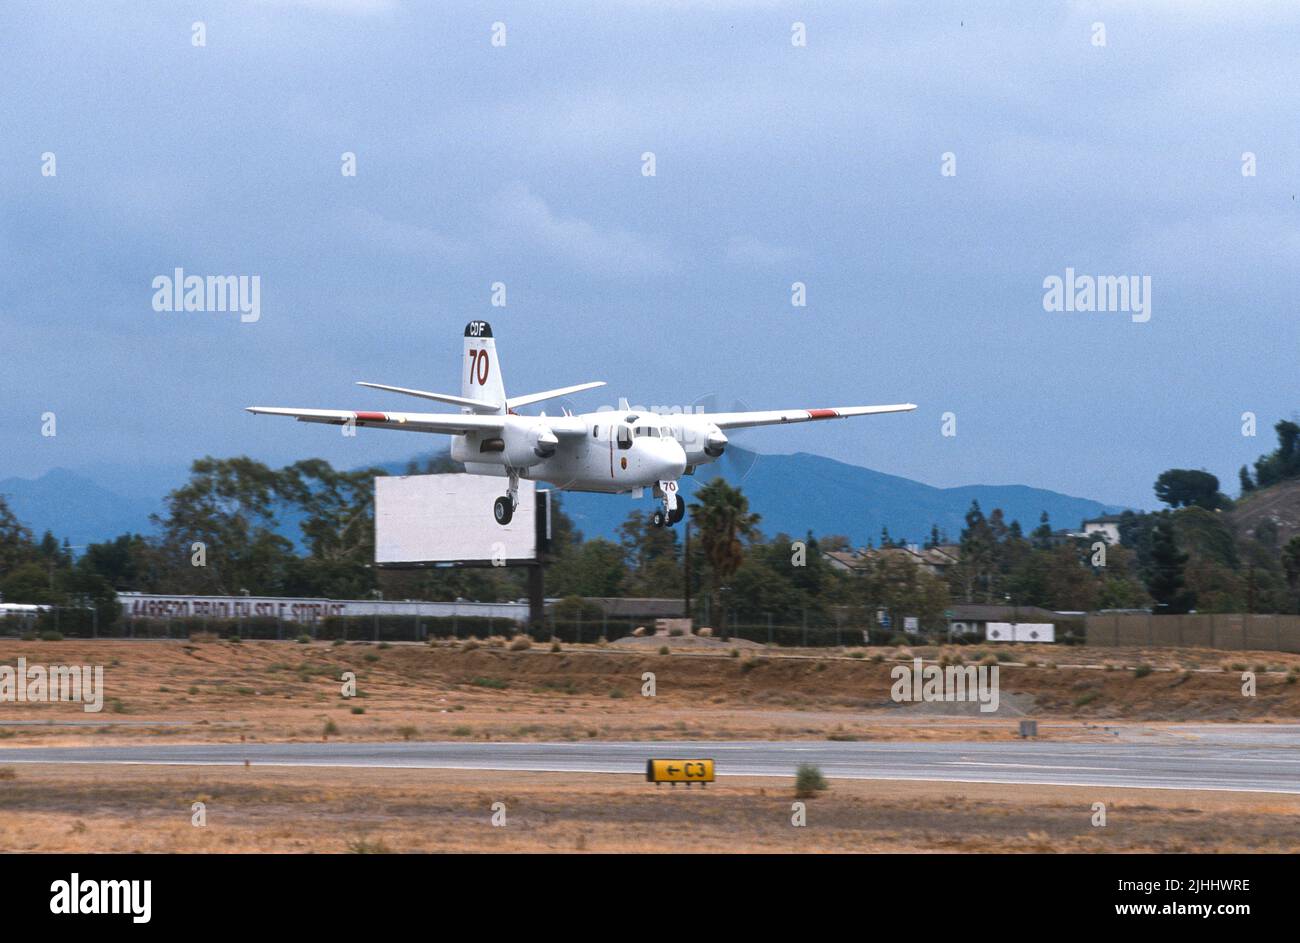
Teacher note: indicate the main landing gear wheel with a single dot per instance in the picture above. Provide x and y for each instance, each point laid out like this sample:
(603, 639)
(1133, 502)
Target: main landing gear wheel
(503, 510)
(657, 519)
(675, 517)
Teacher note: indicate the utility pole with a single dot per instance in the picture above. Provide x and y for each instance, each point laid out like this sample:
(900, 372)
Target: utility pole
(686, 559)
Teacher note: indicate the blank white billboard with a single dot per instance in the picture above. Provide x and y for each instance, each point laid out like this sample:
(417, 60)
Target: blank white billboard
(448, 519)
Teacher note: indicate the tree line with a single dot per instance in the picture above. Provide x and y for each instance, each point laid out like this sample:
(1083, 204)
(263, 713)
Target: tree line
(226, 531)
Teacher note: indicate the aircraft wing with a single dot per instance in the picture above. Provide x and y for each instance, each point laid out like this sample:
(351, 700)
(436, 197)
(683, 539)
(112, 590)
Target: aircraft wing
(776, 417)
(448, 423)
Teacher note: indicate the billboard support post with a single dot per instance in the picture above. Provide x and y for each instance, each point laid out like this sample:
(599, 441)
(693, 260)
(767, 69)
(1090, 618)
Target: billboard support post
(536, 595)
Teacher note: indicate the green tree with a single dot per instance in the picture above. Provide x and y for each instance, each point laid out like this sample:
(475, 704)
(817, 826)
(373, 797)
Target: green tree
(228, 506)
(721, 514)
(597, 568)
(1188, 487)
(1282, 463)
(1165, 576)
(127, 562)
(16, 546)
(337, 521)
(653, 557)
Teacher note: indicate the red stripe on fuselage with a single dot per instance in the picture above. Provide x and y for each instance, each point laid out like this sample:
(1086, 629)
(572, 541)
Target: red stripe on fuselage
(822, 414)
(373, 417)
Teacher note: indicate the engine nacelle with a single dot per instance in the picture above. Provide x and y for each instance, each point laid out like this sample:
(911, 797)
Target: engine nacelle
(527, 442)
(703, 442)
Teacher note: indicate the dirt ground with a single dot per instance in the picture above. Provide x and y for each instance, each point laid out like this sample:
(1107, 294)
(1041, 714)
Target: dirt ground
(150, 809)
(202, 691)
(210, 690)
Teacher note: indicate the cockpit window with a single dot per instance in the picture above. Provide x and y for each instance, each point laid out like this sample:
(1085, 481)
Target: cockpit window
(624, 437)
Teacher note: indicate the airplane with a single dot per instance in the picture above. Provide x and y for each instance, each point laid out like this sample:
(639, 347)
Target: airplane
(611, 452)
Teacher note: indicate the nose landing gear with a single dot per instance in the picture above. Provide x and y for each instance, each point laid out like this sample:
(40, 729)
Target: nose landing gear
(674, 508)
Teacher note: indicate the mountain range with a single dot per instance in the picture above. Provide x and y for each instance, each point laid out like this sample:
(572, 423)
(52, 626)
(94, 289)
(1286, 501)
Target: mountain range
(793, 494)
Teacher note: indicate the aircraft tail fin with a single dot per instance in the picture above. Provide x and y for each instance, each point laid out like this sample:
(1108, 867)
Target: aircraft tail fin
(481, 371)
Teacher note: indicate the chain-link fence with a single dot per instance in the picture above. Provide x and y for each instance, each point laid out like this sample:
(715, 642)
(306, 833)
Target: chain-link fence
(84, 623)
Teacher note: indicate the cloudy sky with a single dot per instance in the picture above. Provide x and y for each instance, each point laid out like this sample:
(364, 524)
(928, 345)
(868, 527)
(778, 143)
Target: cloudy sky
(774, 163)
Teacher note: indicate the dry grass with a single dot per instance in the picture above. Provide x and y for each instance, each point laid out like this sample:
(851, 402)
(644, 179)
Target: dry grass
(149, 809)
(288, 691)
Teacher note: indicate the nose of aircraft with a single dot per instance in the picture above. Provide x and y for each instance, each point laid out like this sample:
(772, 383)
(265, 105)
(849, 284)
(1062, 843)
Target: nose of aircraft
(669, 459)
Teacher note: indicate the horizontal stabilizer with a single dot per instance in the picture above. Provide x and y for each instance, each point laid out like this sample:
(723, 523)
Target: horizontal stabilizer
(515, 401)
(478, 405)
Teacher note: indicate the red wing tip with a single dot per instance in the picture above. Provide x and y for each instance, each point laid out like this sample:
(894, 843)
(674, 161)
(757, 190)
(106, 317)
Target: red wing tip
(822, 414)
(372, 417)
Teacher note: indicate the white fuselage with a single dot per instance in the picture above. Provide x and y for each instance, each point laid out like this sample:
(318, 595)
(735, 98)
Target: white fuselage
(607, 451)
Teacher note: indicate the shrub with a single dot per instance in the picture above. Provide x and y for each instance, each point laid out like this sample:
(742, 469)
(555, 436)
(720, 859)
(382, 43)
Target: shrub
(364, 846)
(663, 649)
(1141, 671)
(407, 732)
(358, 709)
(461, 731)
(304, 639)
(469, 645)
(51, 636)
(495, 683)
(556, 646)
(808, 781)
(331, 728)
(521, 643)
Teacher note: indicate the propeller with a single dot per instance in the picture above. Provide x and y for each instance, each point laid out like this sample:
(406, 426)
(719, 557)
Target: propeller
(737, 461)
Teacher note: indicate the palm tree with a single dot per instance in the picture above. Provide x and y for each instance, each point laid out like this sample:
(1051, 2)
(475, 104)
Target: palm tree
(722, 515)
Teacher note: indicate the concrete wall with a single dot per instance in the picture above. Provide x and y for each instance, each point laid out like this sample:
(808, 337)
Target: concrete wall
(1227, 631)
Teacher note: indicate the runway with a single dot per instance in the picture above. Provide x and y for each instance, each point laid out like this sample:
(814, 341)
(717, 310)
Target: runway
(1216, 759)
